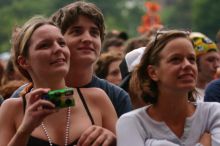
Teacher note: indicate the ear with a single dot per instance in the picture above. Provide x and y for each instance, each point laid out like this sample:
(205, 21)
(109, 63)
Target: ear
(152, 72)
(23, 62)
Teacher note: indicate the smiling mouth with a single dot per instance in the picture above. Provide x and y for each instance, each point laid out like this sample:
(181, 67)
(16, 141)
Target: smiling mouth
(61, 60)
(186, 76)
(86, 49)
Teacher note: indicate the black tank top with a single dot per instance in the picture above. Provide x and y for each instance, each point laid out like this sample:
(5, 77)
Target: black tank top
(34, 141)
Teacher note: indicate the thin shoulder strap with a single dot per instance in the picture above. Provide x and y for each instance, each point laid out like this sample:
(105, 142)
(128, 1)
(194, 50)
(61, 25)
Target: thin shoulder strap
(24, 103)
(23, 93)
(85, 105)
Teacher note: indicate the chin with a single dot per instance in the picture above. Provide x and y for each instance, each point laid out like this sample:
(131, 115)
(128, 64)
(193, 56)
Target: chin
(62, 71)
(91, 59)
(188, 88)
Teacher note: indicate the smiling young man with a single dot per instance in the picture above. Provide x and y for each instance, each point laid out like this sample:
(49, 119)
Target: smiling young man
(82, 25)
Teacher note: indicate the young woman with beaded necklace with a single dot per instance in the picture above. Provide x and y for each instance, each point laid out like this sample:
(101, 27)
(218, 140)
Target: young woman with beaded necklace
(42, 56)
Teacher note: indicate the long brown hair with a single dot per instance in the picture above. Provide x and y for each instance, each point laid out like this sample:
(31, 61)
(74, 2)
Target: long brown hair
(141, 85)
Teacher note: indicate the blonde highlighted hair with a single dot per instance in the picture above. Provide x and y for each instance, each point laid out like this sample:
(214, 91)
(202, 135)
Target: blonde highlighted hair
(21, 40)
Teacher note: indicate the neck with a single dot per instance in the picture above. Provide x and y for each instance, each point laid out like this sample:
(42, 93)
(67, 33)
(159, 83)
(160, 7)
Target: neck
(78, 77)
(173, 115)
(172, 107)
(51, 84)
(201, 83)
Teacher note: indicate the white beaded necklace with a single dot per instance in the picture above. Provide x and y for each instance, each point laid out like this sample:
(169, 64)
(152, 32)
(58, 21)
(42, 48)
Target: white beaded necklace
(66, 131)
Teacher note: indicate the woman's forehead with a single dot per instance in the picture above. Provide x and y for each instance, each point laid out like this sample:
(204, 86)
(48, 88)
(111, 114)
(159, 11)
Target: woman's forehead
(178, 45)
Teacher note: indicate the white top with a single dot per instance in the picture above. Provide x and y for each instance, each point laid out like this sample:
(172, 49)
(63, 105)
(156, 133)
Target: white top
(137, 128)
(200, 95)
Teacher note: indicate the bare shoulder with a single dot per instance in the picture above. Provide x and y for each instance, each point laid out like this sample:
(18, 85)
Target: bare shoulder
(11, 106)
(98, 92)
(95, 93)
(10, 115)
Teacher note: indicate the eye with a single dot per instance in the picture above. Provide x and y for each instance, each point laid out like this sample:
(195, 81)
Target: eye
(62, 43)
(192, 59)
(175, 60)
(76, 31)
(212, 59)
(44, 46)
(95, 32)
(114, 72)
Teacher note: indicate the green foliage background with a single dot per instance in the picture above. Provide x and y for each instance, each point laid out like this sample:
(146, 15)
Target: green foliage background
(206, 16)
(125, 15)
(194, 15)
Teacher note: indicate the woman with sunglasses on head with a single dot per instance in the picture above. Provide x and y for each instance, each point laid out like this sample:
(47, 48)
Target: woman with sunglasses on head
(42, 56)
(166, 77)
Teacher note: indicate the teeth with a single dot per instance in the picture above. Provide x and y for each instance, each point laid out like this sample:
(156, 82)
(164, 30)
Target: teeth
(58, 60)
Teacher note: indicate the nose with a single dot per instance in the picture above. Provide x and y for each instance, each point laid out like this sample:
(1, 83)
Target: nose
(86, 37)
(121, 49)
(117, 79)
(186, 63)
(57, 48)
(216, 63)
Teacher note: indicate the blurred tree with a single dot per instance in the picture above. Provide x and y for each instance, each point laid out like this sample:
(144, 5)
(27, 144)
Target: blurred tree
(206, 16)
(178, 15)
(16, 14)
(4, 3)
(151, 18)
(124, 15)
